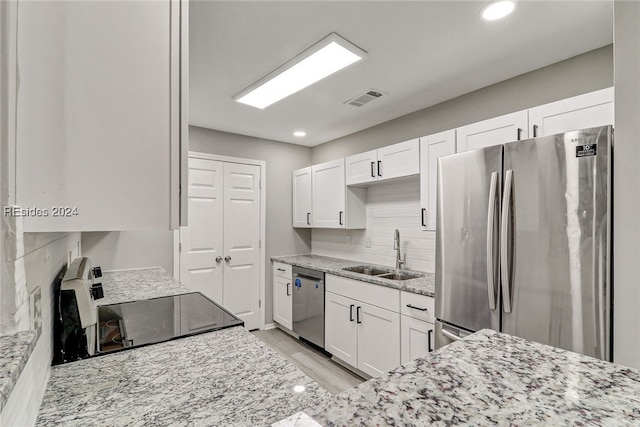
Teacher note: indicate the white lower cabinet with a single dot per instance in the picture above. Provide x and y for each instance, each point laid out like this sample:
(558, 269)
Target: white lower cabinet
(416, 337)
(365, 335)
(378, 339)
(282, 301)
(340, 333)
(282, 295)
(416, 325)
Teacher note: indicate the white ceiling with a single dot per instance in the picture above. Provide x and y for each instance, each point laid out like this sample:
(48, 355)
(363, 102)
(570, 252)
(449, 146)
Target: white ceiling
(420, 52)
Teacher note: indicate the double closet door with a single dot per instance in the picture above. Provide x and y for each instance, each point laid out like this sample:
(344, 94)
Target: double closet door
(219, 249)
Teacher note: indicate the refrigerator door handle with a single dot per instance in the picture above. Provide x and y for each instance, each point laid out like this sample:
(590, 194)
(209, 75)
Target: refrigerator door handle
(491, 214)
(450, 335)
(505, 265)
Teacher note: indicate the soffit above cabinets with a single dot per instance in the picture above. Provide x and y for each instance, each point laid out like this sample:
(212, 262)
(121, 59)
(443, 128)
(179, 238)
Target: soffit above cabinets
(420, 53)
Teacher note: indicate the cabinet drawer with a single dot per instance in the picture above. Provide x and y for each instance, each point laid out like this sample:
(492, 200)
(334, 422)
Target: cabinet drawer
(379, 296)
(282, 270)
(414, 305)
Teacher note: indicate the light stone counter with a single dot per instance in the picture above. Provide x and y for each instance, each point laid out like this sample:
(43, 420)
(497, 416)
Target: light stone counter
(132, 285)
(227, 377)
(424, 285)
(490, 378)
(15, 350)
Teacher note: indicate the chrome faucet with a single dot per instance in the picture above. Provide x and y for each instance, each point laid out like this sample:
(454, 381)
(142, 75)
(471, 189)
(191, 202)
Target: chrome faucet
(400, 261)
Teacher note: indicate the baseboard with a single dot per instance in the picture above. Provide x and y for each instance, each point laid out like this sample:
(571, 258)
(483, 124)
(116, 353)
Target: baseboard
(269, 326)
(352, 369)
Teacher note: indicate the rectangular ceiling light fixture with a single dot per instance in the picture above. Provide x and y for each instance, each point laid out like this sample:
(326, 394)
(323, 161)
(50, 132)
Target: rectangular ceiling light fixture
(324, 58)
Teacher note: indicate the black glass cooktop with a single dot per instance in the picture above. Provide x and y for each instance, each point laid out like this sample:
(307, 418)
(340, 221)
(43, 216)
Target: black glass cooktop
(137, 323)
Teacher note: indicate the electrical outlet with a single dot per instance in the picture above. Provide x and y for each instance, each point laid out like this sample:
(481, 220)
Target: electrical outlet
(349, 239)
(35, 310)
(368, 243)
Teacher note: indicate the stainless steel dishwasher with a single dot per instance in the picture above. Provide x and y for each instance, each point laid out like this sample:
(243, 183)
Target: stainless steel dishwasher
(308, 305)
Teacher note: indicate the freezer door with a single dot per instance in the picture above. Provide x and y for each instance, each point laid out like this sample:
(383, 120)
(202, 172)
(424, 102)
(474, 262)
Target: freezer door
(468, 213)
(555, 241)
(446, 334)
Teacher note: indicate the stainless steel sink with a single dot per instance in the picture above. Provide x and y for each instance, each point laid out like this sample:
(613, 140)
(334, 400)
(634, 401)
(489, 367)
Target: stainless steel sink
(383, 273)
(369, 271)
(400, 276)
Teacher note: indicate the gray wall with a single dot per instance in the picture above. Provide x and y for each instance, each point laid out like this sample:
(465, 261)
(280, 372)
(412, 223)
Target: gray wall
(574, 76)
(626, 174)
(281, 159)
(118, 250)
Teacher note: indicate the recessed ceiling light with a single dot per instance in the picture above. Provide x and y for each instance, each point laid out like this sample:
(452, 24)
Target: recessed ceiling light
(497, 10)
(324, 58)
(300, 134)
(299, 388)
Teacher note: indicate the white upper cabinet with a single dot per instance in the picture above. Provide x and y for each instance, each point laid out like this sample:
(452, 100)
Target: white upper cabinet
(393, 161)
(579, 112)
(98, 117)
(432, 147)
(333, 204)
(302, 198)
(362, 168)
(328, 192)
(498, 130)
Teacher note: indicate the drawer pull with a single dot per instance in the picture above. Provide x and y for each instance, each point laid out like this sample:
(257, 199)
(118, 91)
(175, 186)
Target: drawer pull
(417, 308)
(281, 269)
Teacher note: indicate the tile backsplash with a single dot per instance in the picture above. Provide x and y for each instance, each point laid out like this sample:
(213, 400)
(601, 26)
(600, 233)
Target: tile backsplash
(390, 205)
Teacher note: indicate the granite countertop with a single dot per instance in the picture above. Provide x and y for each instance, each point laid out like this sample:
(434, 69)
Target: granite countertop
(422, 285)
(15, 350)
(227, 377)
(137, 284)
(119, 286)
(490, 378)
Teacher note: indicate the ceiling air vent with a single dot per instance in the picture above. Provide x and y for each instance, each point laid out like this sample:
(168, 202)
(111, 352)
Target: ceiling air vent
(365, 98)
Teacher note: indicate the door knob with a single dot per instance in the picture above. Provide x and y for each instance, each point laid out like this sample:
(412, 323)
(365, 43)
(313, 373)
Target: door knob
(218, 258)
(227, 258)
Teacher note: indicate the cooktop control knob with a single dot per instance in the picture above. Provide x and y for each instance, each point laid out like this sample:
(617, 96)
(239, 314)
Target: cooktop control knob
(97, 272)
(96, 291)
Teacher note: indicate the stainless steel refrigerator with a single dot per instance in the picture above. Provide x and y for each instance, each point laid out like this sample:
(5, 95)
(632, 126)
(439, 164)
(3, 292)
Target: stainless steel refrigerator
(523, 241)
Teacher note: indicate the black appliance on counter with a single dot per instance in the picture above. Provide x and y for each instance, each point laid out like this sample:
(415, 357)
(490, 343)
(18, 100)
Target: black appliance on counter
(82, 329)
(138, 323)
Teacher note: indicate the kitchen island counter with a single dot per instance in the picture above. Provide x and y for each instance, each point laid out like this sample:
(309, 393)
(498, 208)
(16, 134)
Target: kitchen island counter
(491, 378)
(424, 285)
(227, 377)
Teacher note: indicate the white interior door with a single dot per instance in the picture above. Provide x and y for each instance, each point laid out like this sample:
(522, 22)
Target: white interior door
(201, 240)
(241, 242)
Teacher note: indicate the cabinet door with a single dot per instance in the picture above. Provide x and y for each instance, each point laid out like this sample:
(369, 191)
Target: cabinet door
(378, 339)
(432, 147)
(282, 301)
(340, 331)
(416, 338)
(362, 168)
(301, 188)
(95, 115)
(584, 111)
(507, 128)
(328, 193)
(397, 160)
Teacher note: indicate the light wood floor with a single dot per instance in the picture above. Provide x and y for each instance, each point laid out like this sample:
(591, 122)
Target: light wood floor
(312, 362)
